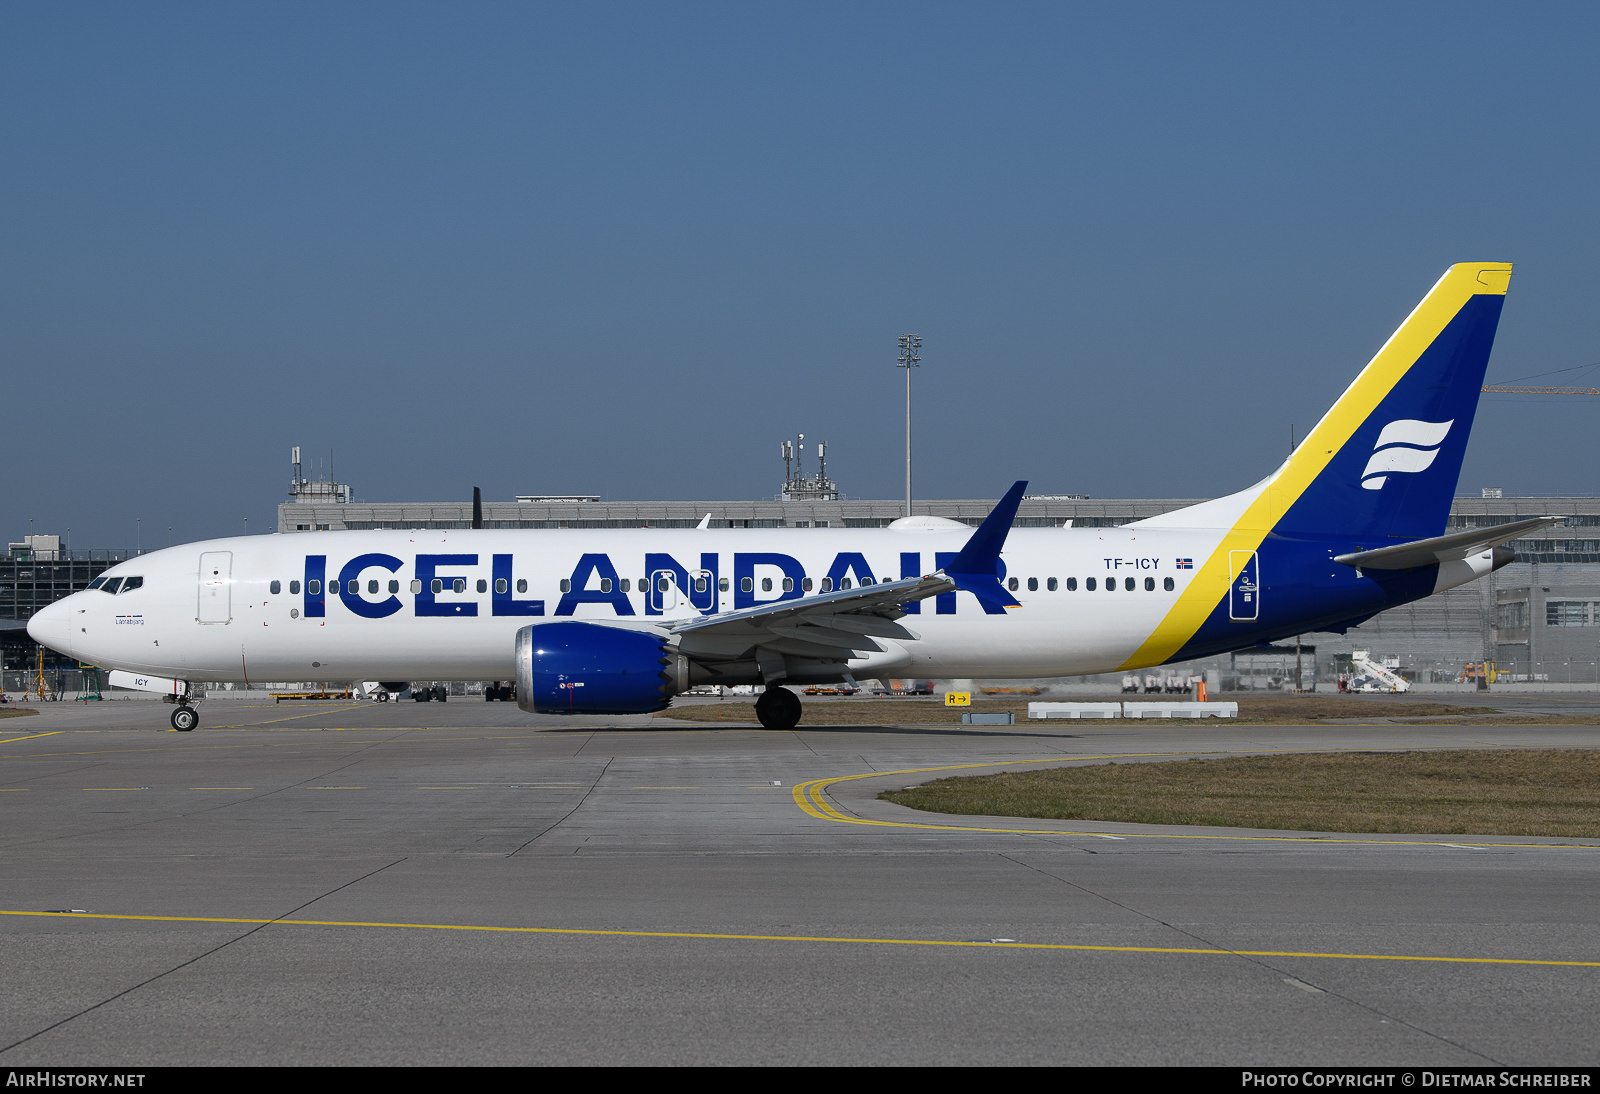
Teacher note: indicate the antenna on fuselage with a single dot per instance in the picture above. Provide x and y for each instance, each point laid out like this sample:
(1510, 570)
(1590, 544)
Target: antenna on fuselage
(477, 507)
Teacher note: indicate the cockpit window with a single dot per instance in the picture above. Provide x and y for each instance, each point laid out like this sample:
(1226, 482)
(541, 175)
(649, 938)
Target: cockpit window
(111, 585)
(131, 583)
(97, 582)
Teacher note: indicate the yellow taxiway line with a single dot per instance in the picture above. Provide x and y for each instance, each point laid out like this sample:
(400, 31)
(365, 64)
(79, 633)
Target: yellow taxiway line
(833, 939)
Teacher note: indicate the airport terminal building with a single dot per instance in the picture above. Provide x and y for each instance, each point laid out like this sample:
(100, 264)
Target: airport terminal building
(1538, 619)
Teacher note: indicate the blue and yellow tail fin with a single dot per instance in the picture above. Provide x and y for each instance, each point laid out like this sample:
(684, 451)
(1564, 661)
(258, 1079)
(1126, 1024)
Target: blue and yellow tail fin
(1384, 461)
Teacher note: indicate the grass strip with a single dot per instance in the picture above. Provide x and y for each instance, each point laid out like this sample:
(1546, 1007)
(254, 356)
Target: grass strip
(1532, 792)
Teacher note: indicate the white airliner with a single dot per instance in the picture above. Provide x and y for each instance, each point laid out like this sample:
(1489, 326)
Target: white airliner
(614, 622)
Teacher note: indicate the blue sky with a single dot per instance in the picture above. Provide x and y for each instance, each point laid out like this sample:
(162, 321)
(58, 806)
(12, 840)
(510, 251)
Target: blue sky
(627, 248)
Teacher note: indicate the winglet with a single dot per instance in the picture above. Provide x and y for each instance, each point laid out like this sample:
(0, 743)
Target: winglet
(976, 569)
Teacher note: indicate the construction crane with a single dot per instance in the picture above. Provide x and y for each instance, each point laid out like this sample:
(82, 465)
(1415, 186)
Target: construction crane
(1503, 390)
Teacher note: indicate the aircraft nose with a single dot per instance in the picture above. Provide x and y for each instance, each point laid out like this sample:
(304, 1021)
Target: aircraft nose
(51, 626)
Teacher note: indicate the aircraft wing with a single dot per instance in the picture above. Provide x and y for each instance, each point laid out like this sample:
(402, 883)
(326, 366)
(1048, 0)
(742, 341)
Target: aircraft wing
(842, 624)
(1426, 552)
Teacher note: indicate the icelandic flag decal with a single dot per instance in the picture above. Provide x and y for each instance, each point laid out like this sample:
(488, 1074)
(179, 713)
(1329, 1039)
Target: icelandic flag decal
(1185, 563)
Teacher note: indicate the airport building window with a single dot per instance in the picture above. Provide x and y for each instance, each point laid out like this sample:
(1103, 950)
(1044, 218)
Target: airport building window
(459, 585)
(1072, 585)
(294, 588)
(276, 587)
(1166, 583)
(437, 585)
(522, 584)
(747, 585)
(483, 586)
(1557, 613)
(1050, 584)
(501, 585)
(1088, 584)
(1149, 584)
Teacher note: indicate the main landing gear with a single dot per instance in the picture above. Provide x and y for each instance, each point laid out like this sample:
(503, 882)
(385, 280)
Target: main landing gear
(184, 719)
(778, 708)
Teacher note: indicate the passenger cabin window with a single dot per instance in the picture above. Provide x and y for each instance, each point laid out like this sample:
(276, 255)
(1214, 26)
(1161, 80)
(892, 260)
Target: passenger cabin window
(522, 584)
(394, 586)
(663, 584)
(1088, 584)
(372, 585)
(788, 584)
(747, 585)
(313, 588)
(868, 581)
(333, 587)
(827, 584)
(1011, 583)
(1072, 585)
(483, 586)
(699, 584)
(1149, 584)
(766, 584)
(805, 584)
(605, 584)
(112, 585)
(437, 585)
(276, 587)
(416, 585)
(500, 586)
(566, 585)
(459, 585)
(1033, 584)
(1051, 584)
(1166, 583)
(844, 583)
(1128, 583)
(722, 585)
(294, 588)
(131, 583)
(627, 584)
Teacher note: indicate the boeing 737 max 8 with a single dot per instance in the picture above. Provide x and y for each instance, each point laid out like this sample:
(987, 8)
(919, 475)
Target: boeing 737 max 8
(618, 622)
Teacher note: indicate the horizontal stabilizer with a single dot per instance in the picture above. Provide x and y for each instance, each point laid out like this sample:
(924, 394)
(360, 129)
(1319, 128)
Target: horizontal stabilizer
(1427, 552)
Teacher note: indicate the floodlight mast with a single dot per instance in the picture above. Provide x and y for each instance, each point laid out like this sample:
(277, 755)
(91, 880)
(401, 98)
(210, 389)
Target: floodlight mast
(910, 347)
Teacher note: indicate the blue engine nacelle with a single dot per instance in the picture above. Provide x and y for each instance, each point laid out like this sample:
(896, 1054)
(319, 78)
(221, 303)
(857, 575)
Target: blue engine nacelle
(587, 668)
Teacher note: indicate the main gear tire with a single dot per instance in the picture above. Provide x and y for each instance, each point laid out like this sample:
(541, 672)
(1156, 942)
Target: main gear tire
(778, 708)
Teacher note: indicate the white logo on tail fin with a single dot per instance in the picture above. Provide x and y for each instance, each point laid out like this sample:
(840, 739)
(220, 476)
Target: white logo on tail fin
(1406, 446)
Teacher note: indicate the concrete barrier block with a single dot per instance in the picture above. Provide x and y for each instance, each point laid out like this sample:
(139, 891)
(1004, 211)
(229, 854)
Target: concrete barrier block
(1180, 710)
(1074, 710)
(1004, 718)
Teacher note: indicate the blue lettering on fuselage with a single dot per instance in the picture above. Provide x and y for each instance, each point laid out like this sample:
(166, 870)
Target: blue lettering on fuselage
(660, 565)
(591, 566)
(744, 569)
(427, 570)
(350, 586)
(506, 603)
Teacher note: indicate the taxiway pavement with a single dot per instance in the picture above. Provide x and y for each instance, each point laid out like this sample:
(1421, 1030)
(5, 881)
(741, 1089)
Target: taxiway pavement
(351, 883)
